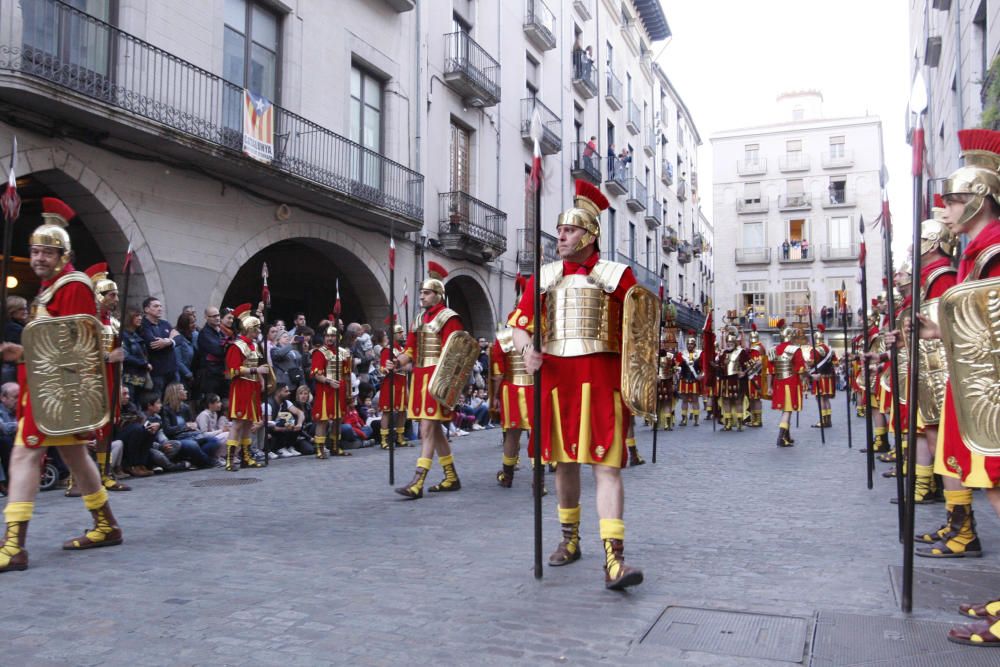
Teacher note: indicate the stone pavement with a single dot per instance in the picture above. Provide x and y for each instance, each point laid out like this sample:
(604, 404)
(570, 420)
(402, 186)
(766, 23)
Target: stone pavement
(320, 563)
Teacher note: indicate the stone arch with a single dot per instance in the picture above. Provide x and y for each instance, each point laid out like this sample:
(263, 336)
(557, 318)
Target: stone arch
(366, 273)
(469, 296)
(108, 218)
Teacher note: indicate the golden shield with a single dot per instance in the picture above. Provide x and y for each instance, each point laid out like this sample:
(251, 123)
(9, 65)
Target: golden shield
(970, 330)
(453, 368)
(933, 377)
(66, 374)
(640, 326)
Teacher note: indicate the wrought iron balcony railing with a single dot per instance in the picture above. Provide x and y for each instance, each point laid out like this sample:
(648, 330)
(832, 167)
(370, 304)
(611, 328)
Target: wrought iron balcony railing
(654, 213)
(636, 195)
(643, 276)
(613, 92)
(634, 122)
(682, 192)
(796, 253)
(616, 180)
(836, 198)
(584, 75)
(751, 167)
(649, 145)
(753, 255)
(758, 204)
(471, 70)
(102, 71)
(526, 250)
(584, 8)
(586, 162)
(669, 242)
(469, 228)
(540, 24)
(551, 125)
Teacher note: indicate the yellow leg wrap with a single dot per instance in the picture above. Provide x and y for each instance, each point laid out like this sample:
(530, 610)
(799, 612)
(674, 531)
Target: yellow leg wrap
(569, 514)
(424, 463)
(509, 460)
(630, 442)
(385, 437)
(880, 430)
(612, 529)
(783, 425)
(96, 500)
(925, 480)
(102, 459)
(962, 497)
(446, 460)
(18, 511)
(246, 442)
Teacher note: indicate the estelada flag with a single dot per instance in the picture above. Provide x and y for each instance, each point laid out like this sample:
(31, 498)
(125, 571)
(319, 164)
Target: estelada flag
(258, 127)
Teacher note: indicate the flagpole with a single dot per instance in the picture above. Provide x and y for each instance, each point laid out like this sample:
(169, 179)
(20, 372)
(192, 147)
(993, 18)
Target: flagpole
(866, 396)
(10, 201)
(392, 347)
(847, 361)
(536, 422)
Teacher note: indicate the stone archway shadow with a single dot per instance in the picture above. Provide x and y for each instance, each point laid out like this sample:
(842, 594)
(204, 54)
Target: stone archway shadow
(477, 320)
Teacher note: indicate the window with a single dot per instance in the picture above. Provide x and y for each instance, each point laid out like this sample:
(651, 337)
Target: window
(837, 148)
(531, 76)
(461, 141)
(795, 230)
(610, 50)
(366, 126)
(751, 153)
(798, 113)
(838, 190)
(613, 233)
(250, 47)
(64, 36)
(795, 194)
(795, 298)
(833, 300)
(753, 235)
(840, 232)
(649, 251)
(793, 153)
(529, 203)
(631, 240)
(751, 193)
(753, 293)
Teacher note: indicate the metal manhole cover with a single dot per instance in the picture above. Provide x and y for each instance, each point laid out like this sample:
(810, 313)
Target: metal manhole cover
(741, 634)
(945, 588)
(855, 639)
(226, 481)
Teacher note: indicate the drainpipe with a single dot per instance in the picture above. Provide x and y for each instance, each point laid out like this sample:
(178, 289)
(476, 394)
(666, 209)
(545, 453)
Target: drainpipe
(498, 125)
(960, 107)
(418, 245)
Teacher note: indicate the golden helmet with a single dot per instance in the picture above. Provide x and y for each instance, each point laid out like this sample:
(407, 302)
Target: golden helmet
(52, 232)
(435, 281)
(586, 212)
(330, 330)
(98, 274)
(935, 235)
(732, 339)
(398, 329)
(786, 333)
(978, 176)
(249, 323)
(754, 334)
(818, 335)
(692, 342)
(904, 274)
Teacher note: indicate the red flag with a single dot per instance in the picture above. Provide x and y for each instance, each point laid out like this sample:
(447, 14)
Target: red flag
(392, 254)
(265, 293)
(128, 259)
(707, 350)
(336, 303)
(918, 151)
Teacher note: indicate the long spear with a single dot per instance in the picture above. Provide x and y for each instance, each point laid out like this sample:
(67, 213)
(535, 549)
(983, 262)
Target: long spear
(918, 104)
(847, 361)
(265, 298)
(392, 344)
(867, 347)
(812, 340)
(659, 363)
(893, 360)
(10, 201)
(116, 382)
(535, 182)
(335, 436)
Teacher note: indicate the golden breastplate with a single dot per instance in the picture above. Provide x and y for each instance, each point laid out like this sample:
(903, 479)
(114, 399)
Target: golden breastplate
(330, 357)
(784, 363)
(109, 335)
(733, 362)
(428, 347)
(580, 318)
(515, 371)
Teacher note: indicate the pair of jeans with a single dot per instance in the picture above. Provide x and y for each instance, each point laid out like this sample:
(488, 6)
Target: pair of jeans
(199, 451)
(347, 433)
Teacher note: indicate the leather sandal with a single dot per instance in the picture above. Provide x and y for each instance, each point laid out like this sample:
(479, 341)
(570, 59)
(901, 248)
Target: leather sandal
(975, 634)
(984, 610)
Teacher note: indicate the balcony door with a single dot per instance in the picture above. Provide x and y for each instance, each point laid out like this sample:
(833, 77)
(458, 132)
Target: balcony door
(249, 57)
(69, 42)
(366, 128)
(460, 181)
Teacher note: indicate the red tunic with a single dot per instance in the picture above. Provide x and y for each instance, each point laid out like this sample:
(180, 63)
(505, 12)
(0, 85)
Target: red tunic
(330, 403)
(73, 298)
(112, 371)
(516, 400)
(583, 415)
(731, 386)
(756, 385)
(397, 380)
(787, 393)
(244, 392)
(953, 457)
(824, 385)
(422, 404)
(687, 387)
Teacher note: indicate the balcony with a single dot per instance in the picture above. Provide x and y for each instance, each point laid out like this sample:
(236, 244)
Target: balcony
(526, 254)
(540, 24)
(613, 94)
(617, 179)
(551, 125)
(401, 6)
(669, 242)
(649, 145)
(471, 71)
(753, 205)
(793, 162)
(838, 252)
(837, 198)
(796, 254)
(751, 167)
(636, 195)
(746, 256)
(643, 276)
(837, 160)
(152, 103)
(799, 201)
(584, 9)
(698, 244)
(654, 213)
(667, 171)
(630, 33)
(685, 253)
(584, 75)
(682, 191)
(634, 120)
(586, 163)
(470, 229)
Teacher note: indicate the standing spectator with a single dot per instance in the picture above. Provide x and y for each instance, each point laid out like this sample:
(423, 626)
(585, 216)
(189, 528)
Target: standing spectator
(184, 348)
(785, 248)
(9, 393)
(805, 248)
(287, 361)
(226, 324)
(189, 310)
(612, 159)
(159, 339)
(300, 323)
(135, 368)
(211, 355)
(590, 153)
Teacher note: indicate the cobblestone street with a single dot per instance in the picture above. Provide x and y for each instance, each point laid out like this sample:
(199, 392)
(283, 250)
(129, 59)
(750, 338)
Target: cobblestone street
(319, 562)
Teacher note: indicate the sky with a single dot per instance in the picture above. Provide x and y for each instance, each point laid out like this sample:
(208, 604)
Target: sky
(729, 60)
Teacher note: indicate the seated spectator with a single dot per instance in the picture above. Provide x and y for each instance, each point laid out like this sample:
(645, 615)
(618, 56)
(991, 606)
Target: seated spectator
(303, 401)
(285, 424)
(211, 421)
(475, 412)
(199, 449)
(138, 431)
(184, 348)
(353, 429)
(9, 393)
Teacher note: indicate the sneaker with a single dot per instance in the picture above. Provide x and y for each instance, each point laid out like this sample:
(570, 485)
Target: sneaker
(461, 432)
(283, 453)
(271, 456)
(157, 470)
(220, 463)
(478, 427)
(294, 452)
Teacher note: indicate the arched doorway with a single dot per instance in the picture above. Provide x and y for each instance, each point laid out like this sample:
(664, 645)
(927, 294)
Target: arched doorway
(467, 297)
(303, 278)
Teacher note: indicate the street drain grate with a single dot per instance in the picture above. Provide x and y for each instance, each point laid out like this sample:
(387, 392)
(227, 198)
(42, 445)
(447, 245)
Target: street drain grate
(855, 639)
(740, 634)
(226, 481)
(946, 588)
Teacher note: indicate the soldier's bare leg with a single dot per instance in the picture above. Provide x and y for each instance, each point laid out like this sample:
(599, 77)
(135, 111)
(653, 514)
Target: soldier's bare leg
(610, 509)
(568, 493)
(511, 448)
(24, 472)
(322, 427)
(439, 443)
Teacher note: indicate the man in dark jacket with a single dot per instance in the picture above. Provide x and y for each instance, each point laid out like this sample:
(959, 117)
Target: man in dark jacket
(158, 336)
(211, 377)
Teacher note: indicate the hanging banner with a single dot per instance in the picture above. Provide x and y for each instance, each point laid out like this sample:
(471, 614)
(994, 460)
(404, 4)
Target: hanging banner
(258, 127)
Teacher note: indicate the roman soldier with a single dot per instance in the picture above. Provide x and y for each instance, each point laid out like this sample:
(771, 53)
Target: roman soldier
(584, 417)
(786, 393)
(63, 362)
(424, 345)
(757, 377)
(331, 371)
(823, 361)
(246, 369)
(666, 384)
(856, 373)
(513, 396)
(731, 367)
(689, 387)
(387, 366)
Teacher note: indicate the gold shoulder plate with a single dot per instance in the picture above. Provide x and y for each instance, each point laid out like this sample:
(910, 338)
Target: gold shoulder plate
(640, 324)
(435, 325)
(453, 368)
(66, 373)
(549, 275)
(983, 260)
(607, 275)
(505, 337)
(970, 328)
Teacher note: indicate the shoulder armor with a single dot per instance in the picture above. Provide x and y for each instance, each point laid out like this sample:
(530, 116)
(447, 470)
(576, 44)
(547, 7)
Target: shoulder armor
(549, 275)
(984, 259)
(934, 275)
(505, 337)
(606, 275)
(43, 299)
(242, 346)
(435, 325)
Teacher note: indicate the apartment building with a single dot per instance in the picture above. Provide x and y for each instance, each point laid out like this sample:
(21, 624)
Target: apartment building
(787, 202)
